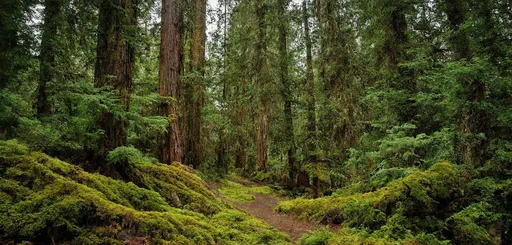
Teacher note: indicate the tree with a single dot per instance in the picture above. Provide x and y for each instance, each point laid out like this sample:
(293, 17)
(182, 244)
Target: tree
(114, 68)
(171, 68)
(286, 89)
(303, 179)
(52, 10)
(194, 96)
(262, 79)
(475, 119)
(15, 39)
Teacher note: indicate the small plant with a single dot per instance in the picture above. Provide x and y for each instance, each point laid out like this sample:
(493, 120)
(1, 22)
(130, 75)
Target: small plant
(125, 154)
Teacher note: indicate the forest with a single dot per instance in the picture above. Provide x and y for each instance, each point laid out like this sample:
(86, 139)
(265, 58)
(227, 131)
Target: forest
(313, 122)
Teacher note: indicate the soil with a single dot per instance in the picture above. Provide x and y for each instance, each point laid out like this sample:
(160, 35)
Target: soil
(263, 208)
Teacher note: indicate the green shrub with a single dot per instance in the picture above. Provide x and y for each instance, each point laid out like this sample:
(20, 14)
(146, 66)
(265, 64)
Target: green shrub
(125, 154)
(319, 237)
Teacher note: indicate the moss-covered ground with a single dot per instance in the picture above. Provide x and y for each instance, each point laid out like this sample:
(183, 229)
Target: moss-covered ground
(436, 206)
(45, 200)
(241, 193)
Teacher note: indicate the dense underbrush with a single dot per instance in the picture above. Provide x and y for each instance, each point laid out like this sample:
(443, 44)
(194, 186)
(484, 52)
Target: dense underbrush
(441, 205)
(45, 200)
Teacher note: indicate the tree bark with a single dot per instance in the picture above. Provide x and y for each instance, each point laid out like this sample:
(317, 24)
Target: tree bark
(470, 148)
(303, 180)
(114, 67)
(241, 154)
(52, 9)
(262, 80)
(171, 68)
(286, 91)
(194, 99)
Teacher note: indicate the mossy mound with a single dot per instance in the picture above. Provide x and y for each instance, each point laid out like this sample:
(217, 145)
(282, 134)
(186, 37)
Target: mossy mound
(420, 193)
(426, 207)
(241, 193)
(45, 200)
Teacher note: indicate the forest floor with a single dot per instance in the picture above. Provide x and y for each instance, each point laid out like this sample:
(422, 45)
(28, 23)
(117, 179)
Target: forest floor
(262, 207)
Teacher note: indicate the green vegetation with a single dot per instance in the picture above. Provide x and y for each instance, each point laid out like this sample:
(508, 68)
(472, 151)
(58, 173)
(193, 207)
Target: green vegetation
(240, 193)
(47, 200)
(390, 118)
(427, 207)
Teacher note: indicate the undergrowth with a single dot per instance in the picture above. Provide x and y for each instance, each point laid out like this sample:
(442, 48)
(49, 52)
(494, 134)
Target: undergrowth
(436, 206)
(241, 193)
(48, 201)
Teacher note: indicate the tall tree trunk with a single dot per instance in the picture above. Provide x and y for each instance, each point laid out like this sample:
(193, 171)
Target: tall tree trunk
(262, 80)
(241, 154)
(471, 149)
(47, 68)
(395, 52)
(193, 150)
(171, 68)
(286, 91)
(114, 67)
(303, 180)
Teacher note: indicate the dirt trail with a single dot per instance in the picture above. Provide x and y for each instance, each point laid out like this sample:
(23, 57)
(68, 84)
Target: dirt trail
(263, 208)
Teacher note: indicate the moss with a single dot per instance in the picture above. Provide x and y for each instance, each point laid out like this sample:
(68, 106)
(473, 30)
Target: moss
(361, 237)
(319, 237)
(395, 213)
(240, 193)
(419, 193)
(472, 225)
(44, 200)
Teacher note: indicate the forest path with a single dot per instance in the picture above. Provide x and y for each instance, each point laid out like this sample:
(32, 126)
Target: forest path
(262, 207)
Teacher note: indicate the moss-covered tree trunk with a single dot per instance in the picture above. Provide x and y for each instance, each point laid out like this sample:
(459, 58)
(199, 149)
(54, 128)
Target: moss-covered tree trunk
(303, 179)
(114, 67)
(194, 99)
(394, 52)
(286, 92)
(52, 9)
(471, 148)
(171, 68)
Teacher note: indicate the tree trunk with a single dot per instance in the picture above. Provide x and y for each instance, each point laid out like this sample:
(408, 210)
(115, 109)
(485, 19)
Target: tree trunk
(262, 80)
(114, 67)
(310, 97)
(193, 150)
(286, 91)
(470, 148)
(171, 68)
(51, 12)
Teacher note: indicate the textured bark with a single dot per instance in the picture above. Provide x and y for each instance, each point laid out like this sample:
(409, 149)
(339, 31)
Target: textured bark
(114, 67)
(310, 97)
(171, 68)
(194, 98)
(241, 115)
(395, 52)
(396, 38)
(51, 12)
(262, 80)
(470, 149)
(286, 91)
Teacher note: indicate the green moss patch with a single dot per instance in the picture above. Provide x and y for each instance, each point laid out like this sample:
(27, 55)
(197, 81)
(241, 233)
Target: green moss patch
(241, 193)
(45, 200)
